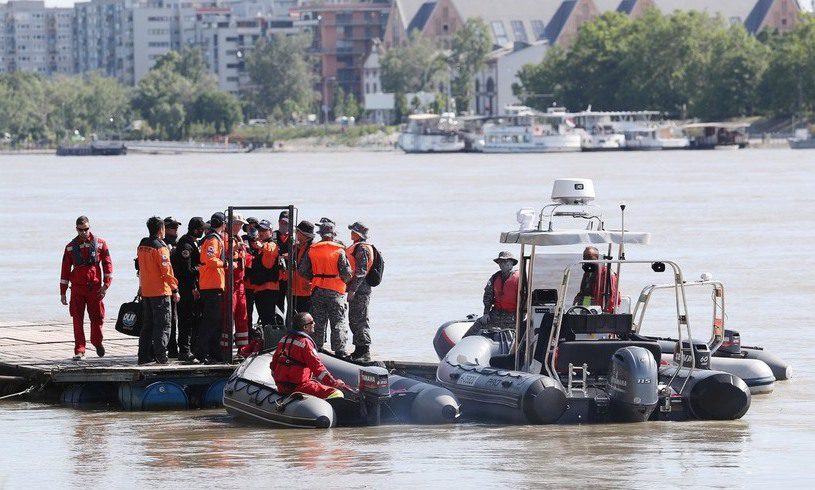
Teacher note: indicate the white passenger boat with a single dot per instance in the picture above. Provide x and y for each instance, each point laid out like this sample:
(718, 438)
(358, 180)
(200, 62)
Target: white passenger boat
(524, 130)
(431, 133)
(601, 132)
(802, 140)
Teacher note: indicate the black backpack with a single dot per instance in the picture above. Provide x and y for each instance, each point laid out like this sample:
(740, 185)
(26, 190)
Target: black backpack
(374, 276)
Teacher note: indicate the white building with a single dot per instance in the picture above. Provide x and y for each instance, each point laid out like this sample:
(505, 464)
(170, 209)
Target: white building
(152, 37)
(35, 39)
(493, 83)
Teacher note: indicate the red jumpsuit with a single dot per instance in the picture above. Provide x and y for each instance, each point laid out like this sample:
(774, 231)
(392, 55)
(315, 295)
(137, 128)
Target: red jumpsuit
(240, 315)
(297, 367)
(83, 263)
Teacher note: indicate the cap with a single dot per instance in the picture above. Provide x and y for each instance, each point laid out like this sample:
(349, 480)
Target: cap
(237, 218)
(306, 228)
(505, 256)
(327, 228)
(217, 220)
(264, 224)
(284, 216)
(327, 220)
(196, 222)
(252, 220)
(359, 228)
(169, 221)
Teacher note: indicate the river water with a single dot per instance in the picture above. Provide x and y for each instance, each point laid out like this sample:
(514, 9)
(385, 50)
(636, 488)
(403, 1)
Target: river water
(745, 216)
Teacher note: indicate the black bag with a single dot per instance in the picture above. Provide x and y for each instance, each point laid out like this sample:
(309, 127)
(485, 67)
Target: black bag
(130, 318)
(374, 276)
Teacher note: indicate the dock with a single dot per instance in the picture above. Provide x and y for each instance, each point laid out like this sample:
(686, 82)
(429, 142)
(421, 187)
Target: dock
(36, 363)
(37, 357)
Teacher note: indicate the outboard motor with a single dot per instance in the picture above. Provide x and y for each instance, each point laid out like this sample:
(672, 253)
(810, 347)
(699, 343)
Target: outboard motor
(700, 350)
(374, 388)
(633, 384)
(731, 345)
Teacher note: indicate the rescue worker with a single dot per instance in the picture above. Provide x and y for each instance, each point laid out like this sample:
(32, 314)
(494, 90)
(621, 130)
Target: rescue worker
(251, 234)
(84, 261)
(500, 296)
(302, 287)
(595, 286)
(239, 314)
(361, 258)
(171, 232)
(265, 274)
(296, 367)
(282, 239)
(326, 265)
(186, 260)
(211, 283)
(158, 287)
(171, 240)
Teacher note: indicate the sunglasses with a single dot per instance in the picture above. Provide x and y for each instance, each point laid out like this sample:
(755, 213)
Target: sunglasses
(83, 229)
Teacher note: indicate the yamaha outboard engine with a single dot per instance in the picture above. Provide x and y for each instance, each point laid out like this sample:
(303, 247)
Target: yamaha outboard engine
(633, 384)
(731, 345)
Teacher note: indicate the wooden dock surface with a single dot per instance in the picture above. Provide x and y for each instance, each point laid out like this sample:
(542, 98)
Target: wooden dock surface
(45, 349)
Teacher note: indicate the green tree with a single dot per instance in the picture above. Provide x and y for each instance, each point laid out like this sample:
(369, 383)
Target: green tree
(414, 66)
(731, 80)
(401, 109)
(25, 107)
(282, 79)
(219, 109)
(352, 107)
(469, 50)
(788, 86)
(339, 102)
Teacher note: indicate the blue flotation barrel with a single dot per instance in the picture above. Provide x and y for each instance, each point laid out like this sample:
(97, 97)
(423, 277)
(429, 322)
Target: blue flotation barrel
(159, 395)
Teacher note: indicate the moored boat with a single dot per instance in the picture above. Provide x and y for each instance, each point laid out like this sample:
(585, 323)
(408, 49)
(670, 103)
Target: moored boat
(524, 130)
(593, 355)
(431, 133)
(250, 394)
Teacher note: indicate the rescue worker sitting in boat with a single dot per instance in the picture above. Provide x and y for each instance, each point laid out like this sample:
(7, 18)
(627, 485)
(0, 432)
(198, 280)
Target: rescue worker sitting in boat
(296, 367)
(500, 297)
(595, 285)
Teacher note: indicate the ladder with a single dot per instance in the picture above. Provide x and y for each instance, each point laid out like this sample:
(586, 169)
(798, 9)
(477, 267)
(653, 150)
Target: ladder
(577, 384)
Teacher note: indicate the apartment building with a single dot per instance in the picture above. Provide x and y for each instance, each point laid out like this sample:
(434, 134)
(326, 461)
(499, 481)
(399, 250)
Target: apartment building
(35, 38)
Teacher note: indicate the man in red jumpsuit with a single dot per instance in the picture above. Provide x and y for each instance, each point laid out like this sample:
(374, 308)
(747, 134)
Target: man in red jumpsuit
(84, 261)
(296, 367)
(240, 314)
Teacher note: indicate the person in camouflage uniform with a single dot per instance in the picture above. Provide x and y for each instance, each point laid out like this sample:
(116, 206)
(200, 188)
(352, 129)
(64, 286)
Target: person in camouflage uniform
(327, 267)
(500, 297)
(361, 257)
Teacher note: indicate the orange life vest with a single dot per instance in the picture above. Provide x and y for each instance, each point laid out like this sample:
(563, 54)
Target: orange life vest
(211, 271)
(324, 257)
(353, 260)
(301, 286)
(506, 292)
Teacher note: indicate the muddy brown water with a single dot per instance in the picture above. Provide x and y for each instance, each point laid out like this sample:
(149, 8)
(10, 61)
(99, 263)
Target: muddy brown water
(745, 216)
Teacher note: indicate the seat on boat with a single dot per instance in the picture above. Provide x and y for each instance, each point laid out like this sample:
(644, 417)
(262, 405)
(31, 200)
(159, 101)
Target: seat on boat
(603, 323)
(596, 354)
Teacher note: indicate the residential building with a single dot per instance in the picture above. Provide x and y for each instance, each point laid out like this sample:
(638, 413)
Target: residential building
(493, 83)
(152, 37)
(35, 38)
(343, 34)
(103, 38)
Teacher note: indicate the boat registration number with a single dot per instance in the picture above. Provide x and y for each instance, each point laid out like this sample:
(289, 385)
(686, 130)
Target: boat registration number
(468, 379)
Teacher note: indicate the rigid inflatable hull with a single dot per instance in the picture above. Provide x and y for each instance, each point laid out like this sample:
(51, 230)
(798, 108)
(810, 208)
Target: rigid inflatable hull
(250, 394)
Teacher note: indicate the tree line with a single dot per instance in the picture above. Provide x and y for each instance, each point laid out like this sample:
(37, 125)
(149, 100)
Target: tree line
(686, 64)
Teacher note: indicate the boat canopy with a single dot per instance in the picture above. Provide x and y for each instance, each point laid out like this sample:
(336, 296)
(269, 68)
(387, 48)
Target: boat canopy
(575, 237)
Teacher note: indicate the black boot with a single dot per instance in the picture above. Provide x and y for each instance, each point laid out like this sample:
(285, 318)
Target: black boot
(361, 353)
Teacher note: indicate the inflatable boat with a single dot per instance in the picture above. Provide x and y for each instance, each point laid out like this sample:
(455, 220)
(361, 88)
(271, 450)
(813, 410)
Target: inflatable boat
(567, 363)
(723, 351)
(250, 394)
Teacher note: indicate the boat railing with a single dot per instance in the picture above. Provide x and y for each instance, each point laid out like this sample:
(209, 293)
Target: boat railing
(717, 323)
(683, 321)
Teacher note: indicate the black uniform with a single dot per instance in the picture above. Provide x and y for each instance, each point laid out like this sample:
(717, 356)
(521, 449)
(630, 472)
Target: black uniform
(283, 247)
(185, 259)
(250, 294)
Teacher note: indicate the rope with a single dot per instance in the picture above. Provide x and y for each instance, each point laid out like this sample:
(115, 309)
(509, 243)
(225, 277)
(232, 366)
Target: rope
(25, 391)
